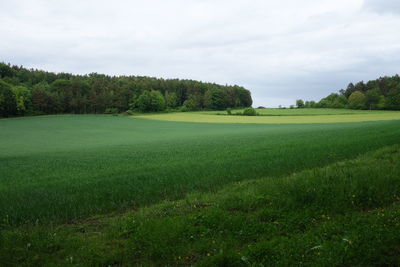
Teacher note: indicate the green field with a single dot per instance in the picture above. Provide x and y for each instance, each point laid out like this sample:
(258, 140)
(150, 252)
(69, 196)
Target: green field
(307, 111)
(115, 190)
(279, 116)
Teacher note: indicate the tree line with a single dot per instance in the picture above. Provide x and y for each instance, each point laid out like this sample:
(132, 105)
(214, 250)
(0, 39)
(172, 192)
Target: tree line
(379, 94)
(34, 92)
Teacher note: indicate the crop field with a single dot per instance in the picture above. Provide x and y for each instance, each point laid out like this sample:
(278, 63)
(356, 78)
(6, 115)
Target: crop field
(279, 116)
(201, 188)
(307, 111)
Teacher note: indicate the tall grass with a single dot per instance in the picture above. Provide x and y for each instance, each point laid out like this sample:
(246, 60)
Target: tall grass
(347, 213)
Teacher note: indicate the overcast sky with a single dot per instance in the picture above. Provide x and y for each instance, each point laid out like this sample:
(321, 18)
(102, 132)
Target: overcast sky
(279, 49)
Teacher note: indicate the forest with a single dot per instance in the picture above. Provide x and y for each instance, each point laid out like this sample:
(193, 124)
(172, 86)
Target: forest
(379, 94)
(35, 92)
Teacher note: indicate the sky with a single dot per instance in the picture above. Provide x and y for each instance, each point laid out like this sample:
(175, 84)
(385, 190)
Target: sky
(281, 50)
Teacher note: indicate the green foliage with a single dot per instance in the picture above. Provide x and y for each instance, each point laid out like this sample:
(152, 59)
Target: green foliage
(171, 100)
(23, 99)
(332, 101)
(249, 112)
(150, 101)
(357, 100)
(393, 98)
(6, 70)
(50, 93)
(229, 111)
(244, 99)
(183, 109)
(111, 111)
(8, 103)
(300, 103)
(372, 98)
(191, 104)
(340, 102)
(214, 99)
(194, 102)
(381, 103)
(41, 98)
(383, 93)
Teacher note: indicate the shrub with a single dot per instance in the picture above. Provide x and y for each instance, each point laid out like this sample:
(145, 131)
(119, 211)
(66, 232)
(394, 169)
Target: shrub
(171, 110)
(111, 111)
(249, 112)
(229, 111)
(183, 109)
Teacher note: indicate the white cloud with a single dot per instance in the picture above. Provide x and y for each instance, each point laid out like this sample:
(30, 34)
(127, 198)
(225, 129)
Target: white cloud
(281, 50)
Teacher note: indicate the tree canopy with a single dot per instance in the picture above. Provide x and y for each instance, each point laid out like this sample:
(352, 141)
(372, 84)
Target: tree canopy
(28, 91)
(382, 93)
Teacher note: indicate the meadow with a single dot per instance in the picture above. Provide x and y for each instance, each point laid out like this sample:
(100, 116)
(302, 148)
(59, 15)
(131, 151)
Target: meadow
(130, 190)
(279, 116)
(307, 111)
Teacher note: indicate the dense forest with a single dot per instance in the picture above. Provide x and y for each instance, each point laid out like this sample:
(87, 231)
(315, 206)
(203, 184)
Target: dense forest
(382, 93)
(34, 92)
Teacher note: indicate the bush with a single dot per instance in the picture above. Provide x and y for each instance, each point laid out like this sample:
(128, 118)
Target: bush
(111, 111)
(171, 110)
(229, 111)
(249, 112)
(183, 109)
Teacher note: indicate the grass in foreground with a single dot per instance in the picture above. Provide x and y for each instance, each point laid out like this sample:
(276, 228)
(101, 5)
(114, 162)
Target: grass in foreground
(60, 169)
(279, 116)
(347, 213)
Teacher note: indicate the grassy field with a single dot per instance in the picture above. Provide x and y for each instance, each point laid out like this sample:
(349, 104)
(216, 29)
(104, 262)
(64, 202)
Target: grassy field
(111, 190)
(307, 111)
(279, 116)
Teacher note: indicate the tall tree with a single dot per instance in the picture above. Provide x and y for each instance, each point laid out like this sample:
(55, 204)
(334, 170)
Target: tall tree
(8, 104)
(150, 101)
(372, 98)
(299, 103)
(23, 98)
(94, 93)
(357, 100)
(214, 99)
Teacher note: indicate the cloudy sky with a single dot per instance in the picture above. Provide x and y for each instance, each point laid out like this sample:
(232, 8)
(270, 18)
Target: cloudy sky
(279, 49)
